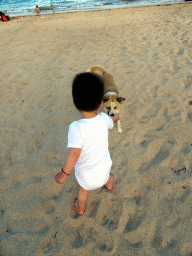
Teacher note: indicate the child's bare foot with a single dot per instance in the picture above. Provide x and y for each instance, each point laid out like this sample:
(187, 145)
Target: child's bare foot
(109, 184)
(60, 178)
(79, 211)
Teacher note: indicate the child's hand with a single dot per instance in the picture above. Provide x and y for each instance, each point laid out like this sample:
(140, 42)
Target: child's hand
(115, 118)
(60, 178)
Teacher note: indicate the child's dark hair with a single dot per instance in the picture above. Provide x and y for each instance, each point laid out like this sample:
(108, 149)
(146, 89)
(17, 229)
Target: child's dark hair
(87, 91)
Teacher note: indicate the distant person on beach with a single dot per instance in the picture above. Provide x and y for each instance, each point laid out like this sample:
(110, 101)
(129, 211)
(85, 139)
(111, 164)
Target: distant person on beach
(4, 17)
(88, 140)
(37, 9)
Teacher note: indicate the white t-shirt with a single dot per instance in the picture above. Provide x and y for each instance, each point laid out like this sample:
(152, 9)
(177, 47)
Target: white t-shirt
(91, 135)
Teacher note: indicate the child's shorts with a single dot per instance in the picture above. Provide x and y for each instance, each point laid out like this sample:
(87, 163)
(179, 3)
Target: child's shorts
(93, 180)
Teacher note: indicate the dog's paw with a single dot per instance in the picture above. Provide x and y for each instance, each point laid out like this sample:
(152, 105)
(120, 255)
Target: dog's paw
(111, 129)
(120, 131)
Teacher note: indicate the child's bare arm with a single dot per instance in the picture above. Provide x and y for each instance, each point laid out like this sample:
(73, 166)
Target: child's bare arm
(70, 162)
(71, 159)
(115, 118)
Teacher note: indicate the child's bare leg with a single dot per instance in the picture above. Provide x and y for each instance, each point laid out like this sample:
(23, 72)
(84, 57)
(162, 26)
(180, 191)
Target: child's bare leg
(82, 199)
(109, 184)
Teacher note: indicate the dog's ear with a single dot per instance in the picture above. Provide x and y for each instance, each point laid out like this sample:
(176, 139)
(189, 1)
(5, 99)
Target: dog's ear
(119, 99)
(105, 99)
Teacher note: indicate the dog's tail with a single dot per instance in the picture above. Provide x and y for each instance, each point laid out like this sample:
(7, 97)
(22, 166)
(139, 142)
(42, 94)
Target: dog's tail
(97, 69)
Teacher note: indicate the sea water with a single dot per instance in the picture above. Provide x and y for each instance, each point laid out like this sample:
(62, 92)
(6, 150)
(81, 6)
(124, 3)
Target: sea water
(27, 7)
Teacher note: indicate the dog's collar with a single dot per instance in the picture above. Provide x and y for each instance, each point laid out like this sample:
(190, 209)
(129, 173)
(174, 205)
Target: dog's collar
(111, 93)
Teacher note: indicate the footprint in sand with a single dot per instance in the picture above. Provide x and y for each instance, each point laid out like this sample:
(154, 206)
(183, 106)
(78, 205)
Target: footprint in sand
(133, 224)
(78, 242)
(103, 242)
(49, 207)
(156, 153)
(94, 208)
(186, 148)
(178, 51)
(110, 219)
(30, 226)
(104, 248)
(84, 236)
(157, 238)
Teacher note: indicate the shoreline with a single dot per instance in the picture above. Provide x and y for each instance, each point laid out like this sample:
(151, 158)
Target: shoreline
(105, 9)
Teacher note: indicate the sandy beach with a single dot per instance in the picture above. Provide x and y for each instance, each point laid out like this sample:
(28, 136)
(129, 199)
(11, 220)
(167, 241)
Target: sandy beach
(148, 50)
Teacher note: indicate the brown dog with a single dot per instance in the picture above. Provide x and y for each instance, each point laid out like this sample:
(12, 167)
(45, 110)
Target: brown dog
(111, 100)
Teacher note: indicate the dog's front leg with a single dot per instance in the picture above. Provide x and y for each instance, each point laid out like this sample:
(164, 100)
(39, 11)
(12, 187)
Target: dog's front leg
(119, 127)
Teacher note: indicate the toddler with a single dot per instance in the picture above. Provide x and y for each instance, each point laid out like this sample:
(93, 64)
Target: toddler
(88, 140)
(37, 9)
